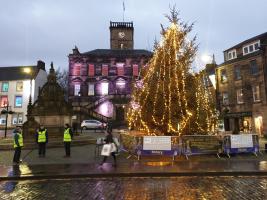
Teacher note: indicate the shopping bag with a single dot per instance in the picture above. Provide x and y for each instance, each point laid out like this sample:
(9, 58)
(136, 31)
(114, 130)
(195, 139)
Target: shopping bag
(106, 150)
(113, 147)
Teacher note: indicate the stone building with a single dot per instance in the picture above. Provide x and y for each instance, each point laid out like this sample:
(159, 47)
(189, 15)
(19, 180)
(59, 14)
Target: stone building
(17, 84)
(100, 80)
(242, 86)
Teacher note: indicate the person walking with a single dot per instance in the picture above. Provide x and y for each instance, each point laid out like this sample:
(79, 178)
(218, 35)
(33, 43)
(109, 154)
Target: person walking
(18, 144)
(67, 139)
(109, 140)
(42, 140)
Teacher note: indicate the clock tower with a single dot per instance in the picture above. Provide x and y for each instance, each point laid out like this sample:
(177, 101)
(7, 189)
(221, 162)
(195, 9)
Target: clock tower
(121, 35)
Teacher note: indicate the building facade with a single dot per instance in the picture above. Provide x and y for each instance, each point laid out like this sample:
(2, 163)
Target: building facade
(100, 80)
(16, 86)
(242, 87)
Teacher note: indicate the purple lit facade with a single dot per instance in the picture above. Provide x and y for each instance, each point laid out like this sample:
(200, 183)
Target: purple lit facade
(100, 80)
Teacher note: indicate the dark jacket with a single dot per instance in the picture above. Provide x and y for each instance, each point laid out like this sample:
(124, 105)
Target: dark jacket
(46, 135)
(109, 139)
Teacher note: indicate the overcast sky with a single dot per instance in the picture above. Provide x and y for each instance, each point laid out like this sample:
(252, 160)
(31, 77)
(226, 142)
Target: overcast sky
(49, 29)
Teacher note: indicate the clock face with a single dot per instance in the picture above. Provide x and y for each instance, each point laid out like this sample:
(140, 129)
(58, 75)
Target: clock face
(121, 34)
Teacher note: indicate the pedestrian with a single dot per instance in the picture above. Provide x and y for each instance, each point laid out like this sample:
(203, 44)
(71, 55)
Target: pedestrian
(18, 144)
(109, 140)
(42, 140)
(109, 127)
(67, 139)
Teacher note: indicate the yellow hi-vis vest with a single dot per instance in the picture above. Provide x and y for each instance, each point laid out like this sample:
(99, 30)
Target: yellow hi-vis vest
(67, 136)
(42, 136)
(20, 140)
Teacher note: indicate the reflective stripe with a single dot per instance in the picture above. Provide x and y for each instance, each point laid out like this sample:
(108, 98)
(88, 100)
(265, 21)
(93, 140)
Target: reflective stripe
(67, 136)
(20, 140)
(42, 136)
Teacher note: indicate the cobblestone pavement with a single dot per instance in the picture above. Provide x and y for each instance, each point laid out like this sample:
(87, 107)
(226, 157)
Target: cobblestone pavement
(138, 188)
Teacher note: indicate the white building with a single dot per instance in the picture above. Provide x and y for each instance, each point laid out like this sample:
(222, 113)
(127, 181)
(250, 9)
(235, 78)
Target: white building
(16, 84)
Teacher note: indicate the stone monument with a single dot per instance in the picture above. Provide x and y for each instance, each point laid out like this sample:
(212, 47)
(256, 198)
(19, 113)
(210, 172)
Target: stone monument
(50, 109)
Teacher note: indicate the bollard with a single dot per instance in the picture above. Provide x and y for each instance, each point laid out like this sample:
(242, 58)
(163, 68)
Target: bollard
(265, 148)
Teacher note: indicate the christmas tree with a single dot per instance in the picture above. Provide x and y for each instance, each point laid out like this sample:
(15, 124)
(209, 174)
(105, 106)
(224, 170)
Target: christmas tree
(167, 100)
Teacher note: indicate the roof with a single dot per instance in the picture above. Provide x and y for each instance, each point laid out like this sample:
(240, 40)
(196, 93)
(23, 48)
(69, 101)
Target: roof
(119, 52)
(256, 53)
(263, 35)
(17, 72)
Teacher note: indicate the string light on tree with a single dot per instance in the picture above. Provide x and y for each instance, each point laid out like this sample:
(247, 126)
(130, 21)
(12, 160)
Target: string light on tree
(169, 95)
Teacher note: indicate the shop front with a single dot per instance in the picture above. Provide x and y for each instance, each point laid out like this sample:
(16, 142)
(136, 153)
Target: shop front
(239, 122)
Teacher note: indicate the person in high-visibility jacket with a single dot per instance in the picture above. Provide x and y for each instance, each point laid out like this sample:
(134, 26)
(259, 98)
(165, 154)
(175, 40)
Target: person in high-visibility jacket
(42, 140)
(67, 138)
(18, 144)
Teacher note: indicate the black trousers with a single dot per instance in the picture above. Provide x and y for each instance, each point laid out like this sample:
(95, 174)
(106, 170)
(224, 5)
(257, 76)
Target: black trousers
(67, 148)
(113, 155)
(17, 153)
(42, 148)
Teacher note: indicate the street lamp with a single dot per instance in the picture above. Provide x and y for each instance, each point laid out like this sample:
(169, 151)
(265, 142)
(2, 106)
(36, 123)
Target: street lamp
(6, 112)
(79, 94)
(29, 71)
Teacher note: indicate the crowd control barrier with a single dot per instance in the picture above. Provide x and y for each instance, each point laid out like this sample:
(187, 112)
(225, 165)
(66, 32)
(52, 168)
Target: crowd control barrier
(201, 144)
(241, 143)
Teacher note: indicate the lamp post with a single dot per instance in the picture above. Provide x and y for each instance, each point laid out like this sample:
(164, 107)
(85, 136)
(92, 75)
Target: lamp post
(29, 71)
(79, 94)
(6, 112)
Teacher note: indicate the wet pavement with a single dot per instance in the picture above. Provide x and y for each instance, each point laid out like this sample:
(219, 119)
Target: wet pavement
(182, 188)
(135, 169)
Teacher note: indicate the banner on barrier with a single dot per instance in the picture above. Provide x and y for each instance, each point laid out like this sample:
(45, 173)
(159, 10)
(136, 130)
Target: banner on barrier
(201, 144)
(157, 143)
(243, 143)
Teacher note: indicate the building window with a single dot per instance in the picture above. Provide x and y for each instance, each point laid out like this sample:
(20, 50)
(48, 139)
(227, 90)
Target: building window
(250, 48)
(77, 70)
(17, 118)
(104, 70)
(237, 73)
(3, 101)
(19, 86)
(2, 119)
(104, 88)
(77, 89)
(240, 96)
(5, 87)
(18, 101)
(91, 89)
(225, 98)
(254, 67)
(256, 93)
(91, 70)
(223, 76)
(232, 54)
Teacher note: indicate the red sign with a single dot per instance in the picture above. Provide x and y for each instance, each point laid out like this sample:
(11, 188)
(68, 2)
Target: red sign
(104, 70)
(135, 70)
(91, 70)
(3, 101)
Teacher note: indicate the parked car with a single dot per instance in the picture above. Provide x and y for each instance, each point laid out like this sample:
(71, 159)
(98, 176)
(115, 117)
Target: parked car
(92, 124)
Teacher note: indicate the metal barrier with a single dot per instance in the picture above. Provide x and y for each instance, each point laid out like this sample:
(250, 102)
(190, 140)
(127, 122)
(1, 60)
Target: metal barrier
(242, 143)
(189, 145)
(201, 144)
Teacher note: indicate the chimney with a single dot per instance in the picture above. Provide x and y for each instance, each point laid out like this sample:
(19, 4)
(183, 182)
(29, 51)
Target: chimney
(41, 65)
